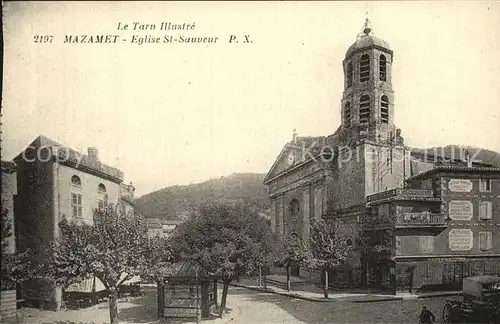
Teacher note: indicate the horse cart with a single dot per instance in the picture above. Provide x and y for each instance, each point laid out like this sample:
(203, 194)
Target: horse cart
(480, 302)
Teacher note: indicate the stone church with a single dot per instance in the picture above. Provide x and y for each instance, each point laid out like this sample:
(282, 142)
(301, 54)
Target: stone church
(330, 176)
(363, 172)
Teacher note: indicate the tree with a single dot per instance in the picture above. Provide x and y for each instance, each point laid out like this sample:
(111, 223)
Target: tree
(227, 240)
(159, 256)
(113, 249)
(16, 267)
(329, 247)
(376, 234)
(288, 252)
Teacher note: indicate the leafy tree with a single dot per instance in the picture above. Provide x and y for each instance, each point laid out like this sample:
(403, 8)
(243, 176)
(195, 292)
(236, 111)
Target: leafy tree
(288, 252)
(227, 240)
(329, 247)
(375, 235)
(113, 249)
(159, 256)
(16, 267)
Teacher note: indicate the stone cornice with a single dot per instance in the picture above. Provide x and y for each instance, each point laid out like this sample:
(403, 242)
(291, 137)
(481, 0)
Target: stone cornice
(307, 180)
(367, 48)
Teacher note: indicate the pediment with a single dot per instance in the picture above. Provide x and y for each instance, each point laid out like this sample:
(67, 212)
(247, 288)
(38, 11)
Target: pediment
(290, 156)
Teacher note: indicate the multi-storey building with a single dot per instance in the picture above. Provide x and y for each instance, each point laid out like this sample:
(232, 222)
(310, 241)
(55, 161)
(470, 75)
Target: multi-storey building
(127, 196)
(8, 303)
(55, 181)
(9, 191)
(162, 227)
(441, 228)
(331, 177)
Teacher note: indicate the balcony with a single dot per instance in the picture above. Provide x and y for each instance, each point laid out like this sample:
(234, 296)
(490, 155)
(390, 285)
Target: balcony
(402, 194)
(408, 222)
(422, 219)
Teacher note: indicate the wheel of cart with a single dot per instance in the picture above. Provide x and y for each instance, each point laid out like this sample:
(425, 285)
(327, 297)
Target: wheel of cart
(451, 312)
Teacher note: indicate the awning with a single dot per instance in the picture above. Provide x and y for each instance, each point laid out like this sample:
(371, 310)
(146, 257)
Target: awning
(87, 286)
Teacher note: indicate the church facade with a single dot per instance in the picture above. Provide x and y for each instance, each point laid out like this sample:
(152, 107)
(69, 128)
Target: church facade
(330, 177)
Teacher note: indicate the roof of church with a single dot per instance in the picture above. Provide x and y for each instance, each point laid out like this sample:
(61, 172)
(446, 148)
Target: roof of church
(366, 41)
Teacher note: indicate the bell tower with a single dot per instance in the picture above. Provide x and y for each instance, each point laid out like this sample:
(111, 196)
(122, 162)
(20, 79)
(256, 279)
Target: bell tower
(367, 109)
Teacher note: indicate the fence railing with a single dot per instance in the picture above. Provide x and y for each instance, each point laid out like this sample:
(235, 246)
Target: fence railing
(426, 193)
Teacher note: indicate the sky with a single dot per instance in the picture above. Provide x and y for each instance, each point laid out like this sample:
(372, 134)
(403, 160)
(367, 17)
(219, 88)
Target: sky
(175, 114)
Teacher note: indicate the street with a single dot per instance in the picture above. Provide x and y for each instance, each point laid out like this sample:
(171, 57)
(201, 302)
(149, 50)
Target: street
(249, 306)
(271, 308)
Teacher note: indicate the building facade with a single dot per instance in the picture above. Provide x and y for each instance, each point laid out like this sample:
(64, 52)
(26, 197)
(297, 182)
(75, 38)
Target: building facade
(127, 198)
(9, 191)
(441, 228)
(347, 175)
(162, 227)
(54, 182)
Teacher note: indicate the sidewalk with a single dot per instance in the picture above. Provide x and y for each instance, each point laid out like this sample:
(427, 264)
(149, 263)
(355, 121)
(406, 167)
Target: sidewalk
(131, 311)
(313, 293)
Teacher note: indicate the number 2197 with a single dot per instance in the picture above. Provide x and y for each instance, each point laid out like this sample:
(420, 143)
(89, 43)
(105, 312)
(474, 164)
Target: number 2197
(43, 38)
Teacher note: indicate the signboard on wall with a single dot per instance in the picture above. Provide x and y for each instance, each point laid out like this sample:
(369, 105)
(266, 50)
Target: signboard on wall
(460, 239)
(460, 185)
(460, 210)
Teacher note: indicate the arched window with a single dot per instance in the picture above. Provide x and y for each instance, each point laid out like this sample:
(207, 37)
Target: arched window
(347, 114)
(102, 199)
(349, 74)
(384, 109)
(364, 68)
(383, 68)
(364, 110)
(75, 180)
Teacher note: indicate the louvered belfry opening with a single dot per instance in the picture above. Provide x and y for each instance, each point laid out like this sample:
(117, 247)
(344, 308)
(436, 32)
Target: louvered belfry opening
(383, 68)
(384, 109)
(364, 68)
(364, 110)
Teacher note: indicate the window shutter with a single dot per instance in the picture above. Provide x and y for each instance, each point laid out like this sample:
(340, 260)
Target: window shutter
(485, 210)
(485, 241)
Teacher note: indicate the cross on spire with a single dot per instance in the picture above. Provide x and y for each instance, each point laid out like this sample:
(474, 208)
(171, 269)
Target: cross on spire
(294, 135)
(367, 28)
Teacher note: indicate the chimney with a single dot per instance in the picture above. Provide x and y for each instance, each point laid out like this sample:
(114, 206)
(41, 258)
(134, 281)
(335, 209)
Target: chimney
(93, 153)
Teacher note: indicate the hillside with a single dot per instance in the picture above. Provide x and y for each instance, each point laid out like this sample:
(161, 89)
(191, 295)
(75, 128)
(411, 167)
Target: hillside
(177, 201)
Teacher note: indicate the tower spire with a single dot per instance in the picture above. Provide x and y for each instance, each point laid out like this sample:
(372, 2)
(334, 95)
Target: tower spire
(367, 28)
